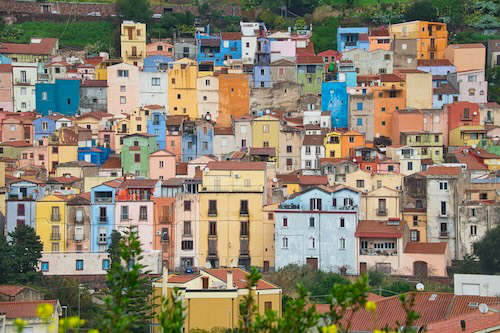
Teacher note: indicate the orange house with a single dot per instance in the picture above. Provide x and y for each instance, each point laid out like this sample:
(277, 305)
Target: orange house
(431, 37)
(164, 235)
(234, 98)
(349, 140)
(388, 97)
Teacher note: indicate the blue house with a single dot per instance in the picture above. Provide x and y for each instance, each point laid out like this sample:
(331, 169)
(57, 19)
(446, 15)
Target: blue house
(21, 203)
(157, 63)
(347, 72)
(62, 96)
(436, 66)
(6, 60)
(209, 48)
(444, 94)
(157, 126)
(317, 227)
(44, 126)
(262, 76)
(95, 155)
(352, 38)
(102, 214)
(197, 139)
(231, 45)
(262, 68)
(334, 99)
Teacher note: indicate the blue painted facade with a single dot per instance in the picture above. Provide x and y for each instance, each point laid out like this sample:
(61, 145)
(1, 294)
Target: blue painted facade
(349, 38)
(62, 96)
(156, 63)
(438, 70)
(95, 155)
(22, 193)
(230, 49)
(334, 99)
(439, 100)
(350, 77)
(209, 48)
(197, 140)
(44, 127)
(6, 60)
(320, 225)
(262, 76)
(102, 200)
(157, 126)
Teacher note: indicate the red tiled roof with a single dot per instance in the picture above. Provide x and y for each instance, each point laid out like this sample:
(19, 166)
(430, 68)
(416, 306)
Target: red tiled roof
(427, 248)
(223, 130)
(10, 289)
(231, 35)
(470, 161)
(239, 278)
(467, 46)
(113, 162)
(267, 151)
(313, 140)
(24, 309)
(434, 62)
(474, 322)
(182, 278)
(236, 165)
(153, 107)
(94, 83)
(379, 31)
(139, 183)
(181, 168)
(460, 304)
(330, 53)
(305, 51)
(94, 60)
(363, 37)
(64, 179)
(18, 143)
(390, 78)
(43, 48)
(378, 229)
(445, 89)
(312, 180)
(96, 115)
(115, 183)
(442, 171)
(309, 59)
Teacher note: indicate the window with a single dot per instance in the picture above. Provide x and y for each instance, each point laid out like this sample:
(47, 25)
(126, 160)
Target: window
(360, 183)
(414, 235)
(79, 264)
(243, 207)
(187, 205)
(312, 243)
(265, 144)
(334, 202)
(383, 123)
(315, 204)
(265, 128)
(443, 186)
(390, 168)
(45, 266)
(123, 88)
(143, 213)
(342, 243)
(419, 204)
(285, 222)
(311, 222)
(244, 228)
(284, 243)
(124, 213)
(379, 183)
(410, 166)
(473, 230)
(288, 149)
(123, 73)
(473, 212)
(187, 245)
(212, 207)
(270, 216)
(105, 264)
(387, 57)
(155, 81)
(483, 196)
(55, 150)
(187, 228)
(359, 106)
(212, 231)
(415, 220)
(443, 208)
(55, 214)
(383, 109)
(268, 306)
(55, 247)
(173, 80)
(178, 96)
(342, 222)
(308, 150)
(161, 164)
(123, 100)
(359, 121)
(20, 209)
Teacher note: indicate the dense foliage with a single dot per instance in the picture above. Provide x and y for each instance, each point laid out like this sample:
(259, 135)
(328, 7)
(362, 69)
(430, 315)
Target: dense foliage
(488, 251)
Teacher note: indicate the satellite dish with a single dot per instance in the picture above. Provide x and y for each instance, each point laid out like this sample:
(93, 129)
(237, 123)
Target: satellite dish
(420, 286)
(275, 180)
(483, 308)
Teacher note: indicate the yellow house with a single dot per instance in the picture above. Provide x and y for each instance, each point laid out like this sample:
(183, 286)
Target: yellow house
(182, 88)
(365, 181)
(139, 121)
(467, 135)
(332, 144)
(101, 69)
(416, 220)
(50, 222)
(265, 132)
(231, 229)
(431, 37)
(133, 43)
(213, 296)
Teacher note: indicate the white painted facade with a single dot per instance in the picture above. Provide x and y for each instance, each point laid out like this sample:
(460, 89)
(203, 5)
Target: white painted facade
(477, 285)
(153, 88)
(24, 77)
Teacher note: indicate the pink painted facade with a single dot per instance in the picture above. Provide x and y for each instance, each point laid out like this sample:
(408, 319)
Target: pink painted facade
(164, 235)
(388, 166)
(38, 155)
(107, 136)
(123, 88)
(6, 94)
(17, 128)
(162, 165)
(417, 121)
(174, 145)
(197, 165)
(436, 263)
(144, 226)
(283, 49)
(472, 86)
(160, 48)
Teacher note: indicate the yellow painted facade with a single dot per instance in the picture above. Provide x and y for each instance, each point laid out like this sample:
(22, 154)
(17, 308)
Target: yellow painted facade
(133, 43)
(332, 144)
(58, 154)
(101, 69)
(418, 90)
(138, 121)
(182, 88)
(432, 37)
(50, 222)
(466, 135)
(265, 132)
(417, 221)
(381, 204)
(365, 181)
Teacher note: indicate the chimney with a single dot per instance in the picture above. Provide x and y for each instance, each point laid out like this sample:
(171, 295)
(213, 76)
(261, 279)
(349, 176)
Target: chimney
(229, 280)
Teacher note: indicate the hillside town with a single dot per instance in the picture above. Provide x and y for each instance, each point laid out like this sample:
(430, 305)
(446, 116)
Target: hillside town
(231, 150)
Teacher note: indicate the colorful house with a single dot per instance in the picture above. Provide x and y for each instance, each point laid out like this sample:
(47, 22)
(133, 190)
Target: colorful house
(360, 111)
(6, 91)
(102, 214)
(332, 144)
(310, 70)
(38, 50)
(349, 140)
(334, 99)
(160, 47)
(197, 139)
(234, 98)
(157, 63)
(352, 38)
(51, 222)
(135, 153)
(21, 203)
(265, 132)
(156, 125)
(95, 155)
(431, 38)
(379, 39)
(182, 84)
(174, 135)
(24, 79)
(209, 48)
(93, 96)
(62, 96)
(133, 42)
(78, 223)
(208, 97)
(162, 165)
(387, 98)
(123, 88)
(427, 144)
(461, 116)
(230, 46)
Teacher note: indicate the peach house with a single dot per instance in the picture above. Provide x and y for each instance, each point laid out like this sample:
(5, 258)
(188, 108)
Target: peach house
(164, 235)
(18, 128)
(123, 88)
(429, 120)
(6, 95)
(160, 47)
(162, 165)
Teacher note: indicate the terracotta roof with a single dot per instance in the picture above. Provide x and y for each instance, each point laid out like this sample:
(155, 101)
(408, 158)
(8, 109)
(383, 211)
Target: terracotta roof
(467, 46)
(139, 183)
(236, 165)
(305, 51)
(427, 248)
(94, 60)
(64, 180)
(309, 59)
(471, 162)
(390, 78)
(115, 183)
(182, 278)
(433, 62)
(10, 289)
(175, 120)
(474, 322)
(181, 168)
(332, 160)
(113, 162)
(442, 171)
(363, 37)
(313, 140)
(493, 105)
(379, 31)
(239, 278)
(94, 83)
(483, 153)
(266, 151)
(153, 107)
(379, 229)
(5, 68)
(96, 115)
(445, 89)
(18, 143)
(223, 130)
(231, 35)
(461, 305)
(330, 53)
(45, 47)
(312, 180)
(162, 152)
(25, 309)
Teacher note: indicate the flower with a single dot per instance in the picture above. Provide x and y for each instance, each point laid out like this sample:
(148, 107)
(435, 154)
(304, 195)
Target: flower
(370, 306)
(44, 311)
(75, 321)
(20, 323)
(93, 331)
(330, 329)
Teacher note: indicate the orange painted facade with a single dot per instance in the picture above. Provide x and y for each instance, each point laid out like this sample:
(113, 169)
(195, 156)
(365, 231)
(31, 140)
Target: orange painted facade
(234, 98)
(174, 145)
(432, 37)
(164, 215)
(387, 98)
(348, 140)
(405, 121)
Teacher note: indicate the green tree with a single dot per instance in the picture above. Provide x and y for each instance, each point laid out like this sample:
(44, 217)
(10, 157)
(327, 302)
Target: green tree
(136, 10)
(127, 305)
(26, 251)
(5, 261)
(488, 251)
(421, 10)
(493, 77)
(114, 248)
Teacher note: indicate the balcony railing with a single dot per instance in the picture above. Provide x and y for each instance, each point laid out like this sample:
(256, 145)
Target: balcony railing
(26, 82)
(243, 212)
(443, 234)
(289, 206)
(102, 241)
(103, 199)
(212, 212)
(350, 43)
(55, 236)
(55, 217)
(79, 220)
(381, 212)
(133, 54)
(103, 219)
(377, 252)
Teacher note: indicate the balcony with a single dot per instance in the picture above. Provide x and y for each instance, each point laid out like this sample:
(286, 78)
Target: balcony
(377, 252)
(103, 219)
(350, 43)
(55, 218)
(381, 211)
(244, 213)
(103, 198)
(25, 82)
(55, 236)
(443, 234)
(133, 54)
(212, 212)
(289, 206)
(102, 241)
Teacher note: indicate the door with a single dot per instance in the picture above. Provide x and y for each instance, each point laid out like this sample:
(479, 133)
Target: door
(420, 269)
(312, 263)
(266, 266)
(362, 268)
(204, 280)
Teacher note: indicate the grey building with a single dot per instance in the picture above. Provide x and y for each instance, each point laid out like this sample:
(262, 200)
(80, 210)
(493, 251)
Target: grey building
(282, 96)
(283, 70)
(370, 62)
(405, 53)
(93, 96)
(185, 48)
(361, 111)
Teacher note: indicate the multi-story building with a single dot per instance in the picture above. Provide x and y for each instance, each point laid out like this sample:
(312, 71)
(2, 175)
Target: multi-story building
(102, 214)
(21, 203)
(6, 88)
(93, 96)
(418, 88)
(493, 54)
(153, 88)
(388, 97)
(232, 234)
(38, 50)
(352, 38)
(379, 39)
(123, 88)
(283, 70)
(223, 141)
(62, 96)
(312, 151)
(135, 153)
(78, 223)
(361, 111)
(370, 62)
(316, 228)
(156, 125)
(243, 130)
(234, 98)
(290, 140)
(209, 48)
(174, 135)
(160, 47)
(332, 144)
(24, 79)
(182, 88)
(335, 100)
(462, 116)
(265, 132)
(51, 222)
(230, 46)
(414, 205)
(250, 31)
(310, 71)
(162, 165)
(208, 97)
(427, 144)
(133, 42)
(197, 139)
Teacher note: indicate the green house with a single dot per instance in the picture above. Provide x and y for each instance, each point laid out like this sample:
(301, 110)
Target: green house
(310, 71)
(136, 149)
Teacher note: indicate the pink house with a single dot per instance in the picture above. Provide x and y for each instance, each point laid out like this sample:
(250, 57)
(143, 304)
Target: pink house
(197, 165)
(160, 47)
(387, 166)
(18, 128)
(162, 165)
(283, 49)
(6, 95)
(412, 120)
(123, 88)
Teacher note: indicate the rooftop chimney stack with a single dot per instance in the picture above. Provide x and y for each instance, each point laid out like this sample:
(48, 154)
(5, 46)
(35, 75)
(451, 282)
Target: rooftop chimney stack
(229, 282)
